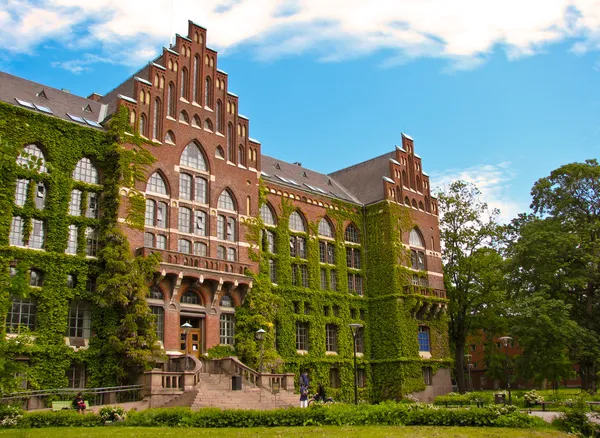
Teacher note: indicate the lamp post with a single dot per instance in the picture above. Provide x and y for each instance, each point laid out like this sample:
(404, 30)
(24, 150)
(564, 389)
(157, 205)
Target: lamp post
(505, 341)
(470, 386)
(260, 337)
(354, 327)
(186, 326)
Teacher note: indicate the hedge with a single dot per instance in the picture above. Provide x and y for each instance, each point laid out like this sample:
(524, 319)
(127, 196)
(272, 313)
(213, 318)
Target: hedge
(395, 414)
(464, 399)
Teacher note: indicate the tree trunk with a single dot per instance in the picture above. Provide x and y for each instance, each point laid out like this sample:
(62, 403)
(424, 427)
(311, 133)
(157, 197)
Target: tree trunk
(459, 366)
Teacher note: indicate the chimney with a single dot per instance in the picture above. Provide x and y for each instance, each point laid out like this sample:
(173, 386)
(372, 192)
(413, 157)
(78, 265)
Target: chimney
(298, 163)
(95, 97)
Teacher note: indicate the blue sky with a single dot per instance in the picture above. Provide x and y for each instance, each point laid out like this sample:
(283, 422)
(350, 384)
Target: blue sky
(499, 94)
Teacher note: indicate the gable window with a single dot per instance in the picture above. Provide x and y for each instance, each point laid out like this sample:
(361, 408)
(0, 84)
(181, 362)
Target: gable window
(157, 119)
(331, 333)
(171, 100)
(226, 324)
(21, 313)
(79, 320)
(302, 336)
(219, 116)
(423, 337)
(207, 92)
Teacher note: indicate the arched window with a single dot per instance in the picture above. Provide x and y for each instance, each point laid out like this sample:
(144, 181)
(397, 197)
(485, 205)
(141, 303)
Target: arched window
(220, 153)
(421, 206)
(86, 172)
(297, 222)
(416, 239)
(170, 137)
(32, 157)
(155, 293)
(221, 252)
(351, 234)
(196, 123)
(195, 79)
(230, 151)
(191, 297)
(157, 119)
(184, 83)
(414, 203)
(183, 117)
(207, 92)
(406, 200)
(142, 125)
(171, 100)
(184, 246)
(241, 160)
(208, 125)
(325, 228)
(226, 201)
(193, 157)
(156, 184)
(200, 249)
(267, 215)
(226, 301)
(219, 116)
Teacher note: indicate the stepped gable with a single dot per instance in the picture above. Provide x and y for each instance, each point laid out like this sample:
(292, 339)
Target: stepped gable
(51, 101)
(298, 177)
(364, 180)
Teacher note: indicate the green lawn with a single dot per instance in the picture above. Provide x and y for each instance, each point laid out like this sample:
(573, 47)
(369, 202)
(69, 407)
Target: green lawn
(284, 432)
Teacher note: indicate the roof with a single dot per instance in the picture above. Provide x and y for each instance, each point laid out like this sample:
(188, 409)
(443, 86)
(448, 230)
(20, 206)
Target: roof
(56, 103)
(125, 89)
(363, 180)
(301, 178)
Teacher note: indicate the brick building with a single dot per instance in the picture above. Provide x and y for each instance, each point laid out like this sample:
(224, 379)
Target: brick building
(336, 247)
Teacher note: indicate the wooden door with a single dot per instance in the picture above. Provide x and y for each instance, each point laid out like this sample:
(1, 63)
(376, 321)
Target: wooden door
(192, 343)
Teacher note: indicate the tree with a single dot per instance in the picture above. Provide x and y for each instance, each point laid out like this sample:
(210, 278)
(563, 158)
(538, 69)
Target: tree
(473, 268)
(557, 252)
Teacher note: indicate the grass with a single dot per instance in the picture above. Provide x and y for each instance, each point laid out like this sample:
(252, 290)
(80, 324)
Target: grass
(285, 432)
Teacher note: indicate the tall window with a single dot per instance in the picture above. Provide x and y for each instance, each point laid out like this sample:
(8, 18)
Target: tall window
(40, 196)
(149, 240)
(159, 321)
(200, 226)
(334, 377)
(156, 184)
(171, 100)
(185, 186)
(355, 283)
(302, 336)
(241, 159)
(269, 241)
(72, 243)
(221, 252)
(185, 220)
(184, 83)
(424, 338)
(230, 149)
(353, 257)
(161, 242)
(195, 79)
(267, 215)
(360, 340)
(76, 375)
(91, 242)
(331, 333)
(75, 204)
(79, 320)
(36, 239)
(226, 201)
(36, 278)
(272, 271)
(351, 234)
(226, 228)
(226, 326)
(304, 275)
(21, 192)
(22, 313)
(143, 125)
(219, 116)
(92, 205)
(15, 236)
(207, 92)
(231, 255)
(297, 222)
(298, 247)
(327, 252)
(427, 376)
(332, 280)
(193, 157)
(86, 172)
(32, 158)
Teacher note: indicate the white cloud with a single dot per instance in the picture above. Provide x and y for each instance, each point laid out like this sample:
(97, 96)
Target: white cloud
(492, 180)
(462, 31)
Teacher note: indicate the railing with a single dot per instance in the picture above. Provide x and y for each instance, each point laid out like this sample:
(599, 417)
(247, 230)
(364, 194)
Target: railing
(97, 396)
(273, 382)
(183, 373)
(426, 291)
(193, 261)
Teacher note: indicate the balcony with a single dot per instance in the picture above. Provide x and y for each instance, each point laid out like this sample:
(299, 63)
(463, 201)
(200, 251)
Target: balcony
(196, 262)
(425, 291)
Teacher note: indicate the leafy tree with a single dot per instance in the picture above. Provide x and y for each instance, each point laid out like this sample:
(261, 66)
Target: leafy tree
(473, 268)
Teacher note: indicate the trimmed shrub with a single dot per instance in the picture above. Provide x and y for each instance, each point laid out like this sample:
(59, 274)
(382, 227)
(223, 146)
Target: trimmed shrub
(68, 418)
(10, 415)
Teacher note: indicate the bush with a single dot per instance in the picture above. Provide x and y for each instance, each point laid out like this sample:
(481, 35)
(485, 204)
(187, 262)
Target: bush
(112, 414)
(575, 419)
(464, 399)
(10, 415)
(68, 418)
(532, 398)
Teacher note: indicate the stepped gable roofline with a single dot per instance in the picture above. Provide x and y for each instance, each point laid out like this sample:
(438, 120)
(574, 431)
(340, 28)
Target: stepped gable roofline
(125, 88)
(315, 183)
(407, 136)
(196, 24)
(59, 102)
(232, 94)
(241, 116)
(253, 140)
(183, 37)
(222, 71)
(143, 81)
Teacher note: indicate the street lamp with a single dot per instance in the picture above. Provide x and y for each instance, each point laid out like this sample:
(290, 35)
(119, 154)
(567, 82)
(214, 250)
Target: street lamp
(505, 341)
(355, 327)
(260, 337)
(186, 326)
(468, 356)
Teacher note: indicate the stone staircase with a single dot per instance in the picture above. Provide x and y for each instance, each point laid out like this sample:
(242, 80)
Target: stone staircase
(214, 390)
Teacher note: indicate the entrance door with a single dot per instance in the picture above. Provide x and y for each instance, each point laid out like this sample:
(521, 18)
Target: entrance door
(192, 343)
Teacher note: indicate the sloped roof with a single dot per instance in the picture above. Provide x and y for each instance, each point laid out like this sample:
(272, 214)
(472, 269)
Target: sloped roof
(60, 103)
(301, 178)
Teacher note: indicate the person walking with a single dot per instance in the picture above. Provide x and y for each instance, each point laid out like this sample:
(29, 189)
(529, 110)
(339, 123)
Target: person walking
(303, 396)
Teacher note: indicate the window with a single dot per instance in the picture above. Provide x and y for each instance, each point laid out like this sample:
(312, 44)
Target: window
(297, 222)
(156, 184)
(326, 252)
(155, 293)
(159, 321)
(355, 283)
(298, 247)
(200, 223)
(294, 275)
(226, 301)
(207, 92)
(71, 281)
(332, 280)
(79, 320)
(361, 377)
(334, 377)
(193, 157)
(36, 278)
(191, 297)
(307, 308)
(351, 234)
(266, 214)
(272, 271)
(90, 285)
(36, 239)
(32, 158)
(15, 236)
(226, 328)
(302, 336)
(221, 252)
(325, 228)
(200, 249)
(149, 240)
(73, 238)
(231, 254)
(323, 279)
(241, 160)
(161, 242)
(219, 153)
(208, 126)
(22, 313)
(171, 100)
(76, 375)
(157, 119)
(423, 338)
(230, 151)
(269, 241)
(331, 332)
(40, 196)
(417, 260)
(415, 239)
(75, 204)
(21, 192)
(304, 275)
(195, 92)
(226, 201)
(86, 172)
(185, 186)
(219, 116)
(91, 242)
(427, 377)
(170, 137)
(142, 125)
(201, 186)
(360, 340)
(353, 257)
(185, 220)
(184, 246)
(92, 205)
(226, 228)
(184, 83)
(183, 117)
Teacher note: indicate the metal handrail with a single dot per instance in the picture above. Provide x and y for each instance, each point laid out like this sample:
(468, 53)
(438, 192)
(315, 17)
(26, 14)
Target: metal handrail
(60, 391)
